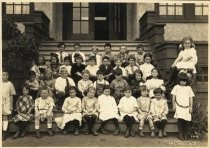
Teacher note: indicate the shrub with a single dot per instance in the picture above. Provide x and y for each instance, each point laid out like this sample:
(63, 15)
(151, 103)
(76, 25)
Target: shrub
(199, 120)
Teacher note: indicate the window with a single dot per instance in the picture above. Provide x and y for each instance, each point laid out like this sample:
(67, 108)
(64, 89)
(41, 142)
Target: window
(80, 18)
(18, 8)
(170, 9)
(201, 9)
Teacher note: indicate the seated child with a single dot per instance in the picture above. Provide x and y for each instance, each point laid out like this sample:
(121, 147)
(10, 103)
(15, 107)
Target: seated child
(139, 56)
(118, 63)
(90, 111)
(54, 65)
(92, 68)
(108, 53)
(85, 82)
(67, 65)
(33, 84)
(147, 67)
(72, 112)
(41, 63)
(8, 92)
(124, 55)
(155, 82)
(118, 85)
(144, 111)
(62, 83)
(61, 53)
(77, 51)
(98, 57)
(159, 111)
(43, 110)
(108, 110)
(100, 83)
(131, 68)
(24, 106)
(136, 82)
(106, 68)
(35, 69)
(128, 111)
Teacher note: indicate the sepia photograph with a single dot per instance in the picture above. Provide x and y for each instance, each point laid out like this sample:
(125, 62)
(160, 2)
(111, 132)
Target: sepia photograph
(104, 74)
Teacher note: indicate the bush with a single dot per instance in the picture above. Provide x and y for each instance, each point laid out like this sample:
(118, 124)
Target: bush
(17, 50)
(199, 120)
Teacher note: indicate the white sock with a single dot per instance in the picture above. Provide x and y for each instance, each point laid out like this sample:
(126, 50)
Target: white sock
(5, 125)
(49, 125)
(36, 127)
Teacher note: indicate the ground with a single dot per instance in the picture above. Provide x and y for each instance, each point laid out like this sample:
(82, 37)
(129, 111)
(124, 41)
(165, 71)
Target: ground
(70, 140)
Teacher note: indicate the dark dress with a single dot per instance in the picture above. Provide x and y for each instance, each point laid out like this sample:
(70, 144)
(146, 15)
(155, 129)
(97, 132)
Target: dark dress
(107, 71)
(77, 68)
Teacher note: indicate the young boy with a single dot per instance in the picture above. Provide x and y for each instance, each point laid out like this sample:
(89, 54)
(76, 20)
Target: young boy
(124, 55)
(140, 54)
(118, 64)
(33, 84)
(108, 53)
(98, 57)
(100, 83)
(106, 68)
(61, 53)
(131, 68)
(77, 48)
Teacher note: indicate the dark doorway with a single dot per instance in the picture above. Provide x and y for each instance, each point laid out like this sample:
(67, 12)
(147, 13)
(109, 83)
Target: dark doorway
(101, 21)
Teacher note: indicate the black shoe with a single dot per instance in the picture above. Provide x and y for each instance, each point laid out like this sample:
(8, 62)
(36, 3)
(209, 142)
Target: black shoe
(4, 135)
(180, 136)
(95, 133)
(76, 133)
(127, 134)
(38, 134)
(103, 131)
(23, 133)
(116, 132)
(64, 131)
(16, 134)
(141, 134)
(186, 137)
(132, 133)
(50, 133)
(87, 132)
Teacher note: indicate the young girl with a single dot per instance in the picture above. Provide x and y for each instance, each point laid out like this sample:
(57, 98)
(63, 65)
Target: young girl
(72, 112)
(131, 68)
(54, 65)
(67, 65)
(128, 111)
(118, 85)
(147, 67)
(43, 110)
(33, 84)
(95, 53)
(136, 82)
(92, 68)
(90, 111)
(159, 111)
(139, 56)
(100, 83)
(8, 92)
(24, 107)
(124, 55)
(85, 82)
(108, 110)
(155, 82)
(61, 85)
(144, 111)
(183, 104)
(186, 59)
(77, 68)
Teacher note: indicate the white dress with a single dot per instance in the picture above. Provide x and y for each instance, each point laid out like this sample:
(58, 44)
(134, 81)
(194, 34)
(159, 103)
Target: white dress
(154, 83)
(128, 105)
(8, 90)
(183, 95)
(146, 70)
(68, 105)
(186, 53)
(92, 69)
(107, 107)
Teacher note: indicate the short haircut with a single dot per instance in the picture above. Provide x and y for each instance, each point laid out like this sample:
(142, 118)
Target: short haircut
(60, 44)
(67, 58)
(99, 72)
(85, 71)
(138, 71)
(78, 56)
(106, 87)
(143, 88)
(92, 57)
(132, 57)
(157, 90)
(106, 57)
(118, 71)
(128, 88)
(26, 87)
(139, 46)
(182, 76)
(147, 55)
(72, 88)
(54, 55)
(107, 44)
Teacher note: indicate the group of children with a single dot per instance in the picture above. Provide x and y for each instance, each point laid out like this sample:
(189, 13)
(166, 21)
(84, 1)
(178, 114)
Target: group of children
(113, 88)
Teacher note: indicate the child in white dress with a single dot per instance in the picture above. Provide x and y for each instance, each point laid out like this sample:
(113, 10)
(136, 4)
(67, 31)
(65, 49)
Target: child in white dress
(90, 110)
(8, 92)
(131, 68)
(155, 82)
(144, 103)
(72, 112)
(92, 67)
(43, 110)
(159, 111)
(183, 104)
(128, 111)
(108, 110)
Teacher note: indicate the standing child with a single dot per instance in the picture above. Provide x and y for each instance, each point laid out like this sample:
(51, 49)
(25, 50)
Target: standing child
(92, 68)
(77, 68)
(85, 82)
(136, 83)
(118, 85)
(128, 111)
(24, 107)
(147, 67)
(100, 83)
(8, 92)
(67, 65)
(140, 54)
(98, 57)
(61, 53)
(43, 110)
(54, 65)
(159, 111)
(33, 84)
(77, 51)
(155, 82)
(144, 103)
(183, 105)
(90, 111)
(72, 112)
(186, 60)
(131, 68)
(106, 68)
(108, 110)
(62, 83)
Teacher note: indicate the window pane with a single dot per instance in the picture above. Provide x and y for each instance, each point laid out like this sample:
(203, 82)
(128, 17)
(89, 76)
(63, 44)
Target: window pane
(171, 10)
(76, 13)
(9, 9)
(17, 9)
(162, 10)
(85, 14)
(85, 27)
(76, 4)
(198, 10)
(85, 4)
(179, 10)
(76, 27)
(205, 10)
(25, 9)
(25, 3)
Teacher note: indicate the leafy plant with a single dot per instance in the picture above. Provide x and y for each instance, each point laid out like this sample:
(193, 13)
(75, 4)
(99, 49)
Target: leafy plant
(199, 120)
